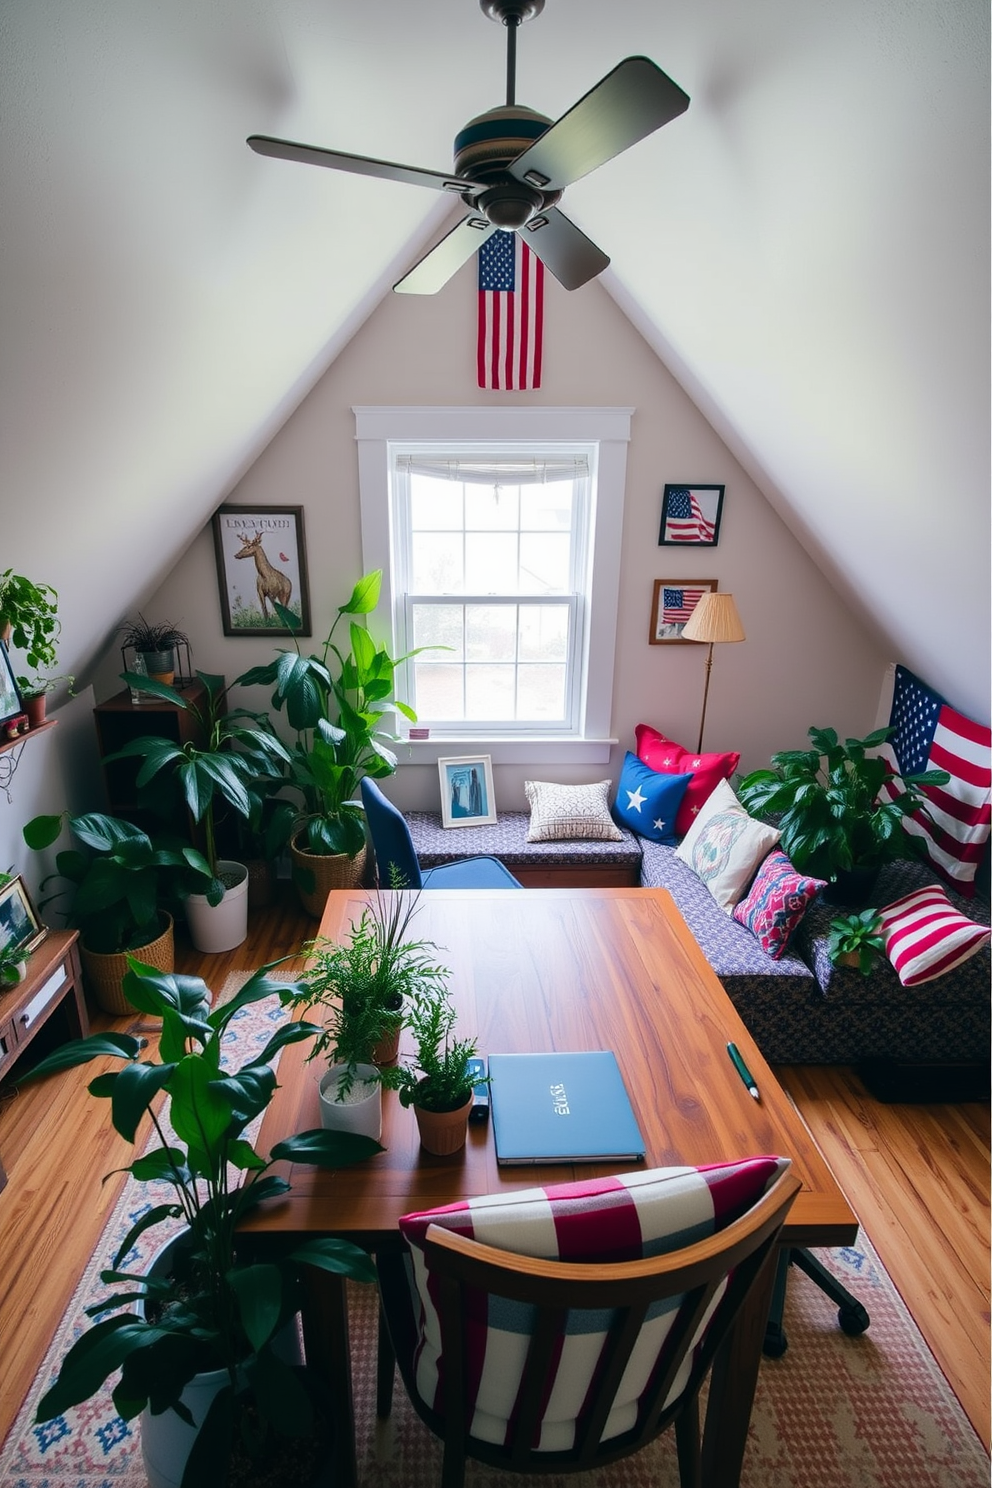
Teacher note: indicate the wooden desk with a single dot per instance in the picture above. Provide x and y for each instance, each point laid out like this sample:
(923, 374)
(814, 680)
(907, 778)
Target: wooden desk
(570, 969)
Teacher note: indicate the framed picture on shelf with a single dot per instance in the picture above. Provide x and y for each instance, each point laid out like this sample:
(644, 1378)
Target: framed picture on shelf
(467, 798)
(20, 927)
(10, 699)
(261, 562)
(690, 516)
(672, 603)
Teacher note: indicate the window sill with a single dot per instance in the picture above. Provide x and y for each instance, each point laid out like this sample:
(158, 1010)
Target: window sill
(504, 751)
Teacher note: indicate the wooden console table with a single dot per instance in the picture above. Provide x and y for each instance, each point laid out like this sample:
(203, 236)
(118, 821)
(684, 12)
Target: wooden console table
(53, 983)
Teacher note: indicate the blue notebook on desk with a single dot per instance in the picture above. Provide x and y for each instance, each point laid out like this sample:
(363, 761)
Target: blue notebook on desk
(562, 1107)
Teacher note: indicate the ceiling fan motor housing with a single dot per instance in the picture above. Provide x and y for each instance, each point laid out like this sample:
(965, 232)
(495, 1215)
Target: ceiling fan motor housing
(484, 149)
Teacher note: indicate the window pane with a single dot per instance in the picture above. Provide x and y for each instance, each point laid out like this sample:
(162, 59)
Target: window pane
(492, 507)
(491, 632)
(544, 560)
(546, 508)
(436, 563)
(435, 503)
(439, 691)
(543, 632)
(541, 693)
(489, 693)
(491, 563)
(439, 625)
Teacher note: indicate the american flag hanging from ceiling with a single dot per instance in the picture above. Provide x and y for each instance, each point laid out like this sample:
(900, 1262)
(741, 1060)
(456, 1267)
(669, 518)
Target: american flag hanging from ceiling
(511, 314)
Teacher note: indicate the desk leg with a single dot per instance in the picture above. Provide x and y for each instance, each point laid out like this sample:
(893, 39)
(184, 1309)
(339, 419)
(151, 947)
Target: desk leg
(732, 1384)
(328, 1350)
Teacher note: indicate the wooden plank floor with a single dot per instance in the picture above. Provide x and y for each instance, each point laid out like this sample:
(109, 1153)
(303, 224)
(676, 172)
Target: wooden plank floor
(917, 1176)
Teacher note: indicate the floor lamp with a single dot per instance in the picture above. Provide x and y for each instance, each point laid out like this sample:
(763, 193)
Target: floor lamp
(714, 619)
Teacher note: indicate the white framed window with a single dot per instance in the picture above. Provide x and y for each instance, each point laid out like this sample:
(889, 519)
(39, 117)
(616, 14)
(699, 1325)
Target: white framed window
(498, 533)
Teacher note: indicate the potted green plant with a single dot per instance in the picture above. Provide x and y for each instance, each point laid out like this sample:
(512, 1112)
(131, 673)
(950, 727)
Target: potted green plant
(29, 619)
(856, 940)
(360, 989)
(156, 643)
(215, 1310)
(825, 801)
(436, 1082)
(118, 881)
(34, 694)
(13, 964)
(240, 756)
(335, 701)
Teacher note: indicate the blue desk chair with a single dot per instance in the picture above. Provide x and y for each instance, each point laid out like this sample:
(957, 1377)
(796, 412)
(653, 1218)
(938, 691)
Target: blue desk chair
(397, 861)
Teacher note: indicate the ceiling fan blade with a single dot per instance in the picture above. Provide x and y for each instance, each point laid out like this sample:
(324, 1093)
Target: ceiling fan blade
(446, 258)
(563, 248)
(359, 165)
(630, 102)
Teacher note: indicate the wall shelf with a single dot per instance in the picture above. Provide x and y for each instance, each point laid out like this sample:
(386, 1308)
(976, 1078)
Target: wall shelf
(10, 753)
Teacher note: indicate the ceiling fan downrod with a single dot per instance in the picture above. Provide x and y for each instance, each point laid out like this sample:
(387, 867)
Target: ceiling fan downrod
(511, 14)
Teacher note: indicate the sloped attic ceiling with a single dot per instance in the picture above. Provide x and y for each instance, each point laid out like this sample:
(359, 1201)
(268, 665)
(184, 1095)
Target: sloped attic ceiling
(807, 248)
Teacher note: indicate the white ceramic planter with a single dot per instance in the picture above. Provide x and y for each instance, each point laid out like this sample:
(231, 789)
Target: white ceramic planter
(166, 1440)
(362, 1116)
(220, 927)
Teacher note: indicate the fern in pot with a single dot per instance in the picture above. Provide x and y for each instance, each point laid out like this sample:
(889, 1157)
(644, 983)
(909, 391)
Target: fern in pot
(204, 1362)
(436, 1081)
(360, 990)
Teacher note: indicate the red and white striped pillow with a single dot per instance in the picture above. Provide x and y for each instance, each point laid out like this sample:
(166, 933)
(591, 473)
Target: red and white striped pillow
(626, 1217)
(925, 936)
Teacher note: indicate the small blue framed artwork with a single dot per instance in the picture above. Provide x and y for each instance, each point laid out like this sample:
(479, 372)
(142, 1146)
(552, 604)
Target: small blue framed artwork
(467, 798)
(690, 516)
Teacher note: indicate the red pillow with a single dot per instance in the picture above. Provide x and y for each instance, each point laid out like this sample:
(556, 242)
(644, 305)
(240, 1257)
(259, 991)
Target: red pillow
(669, 758)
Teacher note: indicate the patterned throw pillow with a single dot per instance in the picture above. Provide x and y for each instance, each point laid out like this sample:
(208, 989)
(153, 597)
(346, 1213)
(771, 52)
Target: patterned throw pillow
(669, 758)
(570, 813)
(622, 1218)
(648, 802)
(724, 846)
(776, 902)
(925, 936)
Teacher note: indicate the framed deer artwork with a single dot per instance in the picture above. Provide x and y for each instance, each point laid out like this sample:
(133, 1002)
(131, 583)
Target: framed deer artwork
(262, 570)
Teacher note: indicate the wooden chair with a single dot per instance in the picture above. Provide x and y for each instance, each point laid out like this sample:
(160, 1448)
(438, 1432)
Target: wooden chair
(717, 1272)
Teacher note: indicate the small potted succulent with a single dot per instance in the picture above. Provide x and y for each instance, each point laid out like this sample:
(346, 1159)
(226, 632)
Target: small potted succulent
(856, 940)
(361, 990)
(437, 1082)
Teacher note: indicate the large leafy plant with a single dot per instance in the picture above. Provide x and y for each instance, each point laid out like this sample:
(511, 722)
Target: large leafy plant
(826, 803)
(220, 1308)
(335, 700)
(237, 764)
(116, 880)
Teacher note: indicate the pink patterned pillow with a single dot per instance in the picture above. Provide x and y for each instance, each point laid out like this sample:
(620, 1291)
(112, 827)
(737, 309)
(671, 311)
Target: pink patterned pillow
(776, 902)
(925, 936)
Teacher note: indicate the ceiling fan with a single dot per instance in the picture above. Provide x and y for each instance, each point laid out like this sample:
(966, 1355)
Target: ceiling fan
(512, 164)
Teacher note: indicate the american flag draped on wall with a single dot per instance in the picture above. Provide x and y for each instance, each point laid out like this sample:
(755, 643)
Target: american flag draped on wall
(931, 735)
(511, 313)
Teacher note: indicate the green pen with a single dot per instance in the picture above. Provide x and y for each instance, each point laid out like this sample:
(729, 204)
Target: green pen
(742, 1070)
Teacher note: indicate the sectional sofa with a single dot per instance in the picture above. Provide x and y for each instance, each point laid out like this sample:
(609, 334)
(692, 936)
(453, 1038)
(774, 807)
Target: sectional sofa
(801, 1009)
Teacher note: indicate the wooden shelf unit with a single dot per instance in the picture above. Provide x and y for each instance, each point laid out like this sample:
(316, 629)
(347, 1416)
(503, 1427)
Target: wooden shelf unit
(120, 720)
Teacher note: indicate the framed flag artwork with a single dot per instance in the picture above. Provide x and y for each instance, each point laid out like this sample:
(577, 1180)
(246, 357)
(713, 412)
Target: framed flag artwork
(690, 516)
(673, 602)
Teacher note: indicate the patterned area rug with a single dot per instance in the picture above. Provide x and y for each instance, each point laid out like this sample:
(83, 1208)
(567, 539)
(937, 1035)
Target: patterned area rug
(834, 1412)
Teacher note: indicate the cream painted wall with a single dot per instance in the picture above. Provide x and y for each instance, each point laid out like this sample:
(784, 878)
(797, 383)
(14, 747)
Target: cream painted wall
(806, 659)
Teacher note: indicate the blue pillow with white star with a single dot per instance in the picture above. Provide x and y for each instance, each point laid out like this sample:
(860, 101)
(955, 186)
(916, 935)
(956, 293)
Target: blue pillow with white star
(647, 802)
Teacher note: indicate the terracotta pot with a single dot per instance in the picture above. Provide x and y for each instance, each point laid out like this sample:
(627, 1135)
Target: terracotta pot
(36, 706)
(443, 1132)
(105, 973)
(387, 1049)
(335, 871)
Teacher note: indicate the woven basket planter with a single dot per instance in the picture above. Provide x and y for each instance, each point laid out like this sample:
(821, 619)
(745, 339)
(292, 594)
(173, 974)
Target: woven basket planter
(334, 871)
(104, 974)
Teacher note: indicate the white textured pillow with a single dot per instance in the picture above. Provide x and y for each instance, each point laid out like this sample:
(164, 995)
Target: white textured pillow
(725, 847)
(570, 813)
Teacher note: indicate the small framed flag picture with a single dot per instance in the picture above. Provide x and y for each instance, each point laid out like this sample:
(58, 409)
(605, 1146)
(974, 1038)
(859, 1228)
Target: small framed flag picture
(690, 516)
(673, 602)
